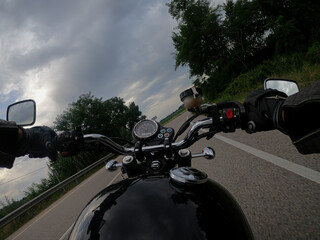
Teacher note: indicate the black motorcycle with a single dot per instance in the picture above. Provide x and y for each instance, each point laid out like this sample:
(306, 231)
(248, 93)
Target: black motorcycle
(163, 196)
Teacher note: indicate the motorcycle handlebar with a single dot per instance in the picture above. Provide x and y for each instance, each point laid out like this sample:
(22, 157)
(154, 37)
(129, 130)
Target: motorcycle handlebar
(111, 145)
(224, 117)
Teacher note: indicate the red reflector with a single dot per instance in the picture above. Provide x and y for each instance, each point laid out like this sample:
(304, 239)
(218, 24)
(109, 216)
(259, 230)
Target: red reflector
(65, 154)
(229, 113)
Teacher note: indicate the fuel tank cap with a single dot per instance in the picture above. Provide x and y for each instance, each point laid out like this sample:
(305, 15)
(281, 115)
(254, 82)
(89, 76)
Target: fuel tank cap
(188, 175)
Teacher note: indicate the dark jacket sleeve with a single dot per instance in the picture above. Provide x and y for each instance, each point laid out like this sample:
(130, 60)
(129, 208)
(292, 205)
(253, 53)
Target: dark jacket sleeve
(302, 119)
(8, 143)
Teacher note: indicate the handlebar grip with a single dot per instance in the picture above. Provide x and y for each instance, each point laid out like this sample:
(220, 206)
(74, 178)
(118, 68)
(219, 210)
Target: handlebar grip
(68, 141)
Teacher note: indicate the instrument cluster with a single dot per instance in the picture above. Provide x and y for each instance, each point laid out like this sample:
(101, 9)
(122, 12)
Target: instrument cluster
(150, 130)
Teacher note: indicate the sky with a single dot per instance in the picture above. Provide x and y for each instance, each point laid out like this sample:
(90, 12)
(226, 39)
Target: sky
(54, 51)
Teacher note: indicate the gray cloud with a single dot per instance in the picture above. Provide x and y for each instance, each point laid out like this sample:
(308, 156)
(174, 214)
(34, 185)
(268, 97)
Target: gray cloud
(101, 46)
(54, 51)
(13, 182)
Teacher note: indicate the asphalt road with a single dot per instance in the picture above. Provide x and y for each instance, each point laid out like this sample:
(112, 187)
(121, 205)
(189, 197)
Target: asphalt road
(278, 203)
(277, 188)
(55, 221)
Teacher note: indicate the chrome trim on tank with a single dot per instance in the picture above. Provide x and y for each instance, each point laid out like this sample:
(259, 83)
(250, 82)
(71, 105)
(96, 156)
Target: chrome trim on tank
(188, 175)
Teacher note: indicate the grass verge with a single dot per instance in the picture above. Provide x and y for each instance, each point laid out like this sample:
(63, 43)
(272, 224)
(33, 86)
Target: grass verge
(290, 67)
(172, 116)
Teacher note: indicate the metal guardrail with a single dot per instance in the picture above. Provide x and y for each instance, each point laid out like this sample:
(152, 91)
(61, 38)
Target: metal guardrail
(16, 213)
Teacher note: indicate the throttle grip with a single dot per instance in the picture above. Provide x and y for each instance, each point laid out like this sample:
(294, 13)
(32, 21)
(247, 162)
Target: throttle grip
(68, 142)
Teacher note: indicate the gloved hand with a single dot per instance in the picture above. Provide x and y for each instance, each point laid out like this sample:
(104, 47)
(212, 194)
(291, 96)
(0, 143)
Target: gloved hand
(38, 142)
(264, 110)
(67, 143)
(9, 137)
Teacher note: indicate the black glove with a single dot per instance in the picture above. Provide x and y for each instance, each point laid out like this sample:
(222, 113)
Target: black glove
(9, 136)
(67, 143)
(264, 110)
(38, 143)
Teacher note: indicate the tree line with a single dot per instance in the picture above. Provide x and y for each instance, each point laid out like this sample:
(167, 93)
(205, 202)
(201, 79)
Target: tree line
(220, 43)
(111, 117)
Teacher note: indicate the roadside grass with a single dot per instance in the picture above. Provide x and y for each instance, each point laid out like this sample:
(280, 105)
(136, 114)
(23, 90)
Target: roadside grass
(173, 116)
(305, 76)
(13, 226)
(295, 67)
(292, 67)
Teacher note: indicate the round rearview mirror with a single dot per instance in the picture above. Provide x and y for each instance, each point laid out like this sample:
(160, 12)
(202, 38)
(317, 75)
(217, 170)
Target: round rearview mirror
(23, 113)
(289, 87)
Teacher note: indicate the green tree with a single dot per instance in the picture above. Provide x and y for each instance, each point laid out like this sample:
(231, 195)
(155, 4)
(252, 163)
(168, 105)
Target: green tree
(220, 43)
(198, 41)
(293, 25)
(110, 117)
(217, 43)
(133, 114)
(85, 112)
(244, 30)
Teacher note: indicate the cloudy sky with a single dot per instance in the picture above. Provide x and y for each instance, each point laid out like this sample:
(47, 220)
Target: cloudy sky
(54, 51)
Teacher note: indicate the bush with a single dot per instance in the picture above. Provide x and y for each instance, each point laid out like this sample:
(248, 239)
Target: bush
(314, 52)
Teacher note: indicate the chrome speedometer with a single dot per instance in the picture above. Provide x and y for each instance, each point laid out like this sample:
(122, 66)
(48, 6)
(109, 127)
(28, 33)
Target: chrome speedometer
(145, 129)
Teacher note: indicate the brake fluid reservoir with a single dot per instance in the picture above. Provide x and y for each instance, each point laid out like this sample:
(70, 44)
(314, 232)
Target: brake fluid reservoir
(191, 98)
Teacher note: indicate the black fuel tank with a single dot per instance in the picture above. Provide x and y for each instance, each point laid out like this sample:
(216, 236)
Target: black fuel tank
(155, 207)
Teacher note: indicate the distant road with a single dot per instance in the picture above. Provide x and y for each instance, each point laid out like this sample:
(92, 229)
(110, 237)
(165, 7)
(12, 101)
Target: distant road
(277, 188)
(55, 221)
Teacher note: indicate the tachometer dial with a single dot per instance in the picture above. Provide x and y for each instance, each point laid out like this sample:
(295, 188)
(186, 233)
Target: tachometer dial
(145, 129)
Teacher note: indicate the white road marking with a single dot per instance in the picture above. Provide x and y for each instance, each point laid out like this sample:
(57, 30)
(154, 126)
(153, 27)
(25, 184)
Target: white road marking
(67, 232)
(278, 161)
(113, 179)
(53, 206)
(283, 163)
(60, 201)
